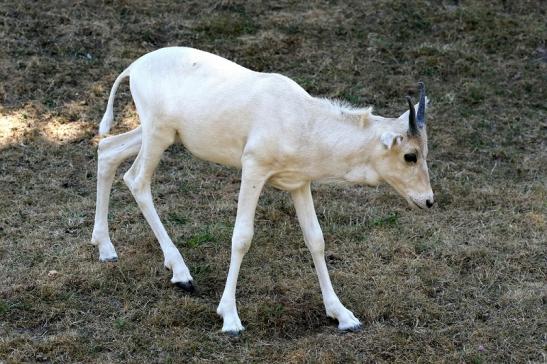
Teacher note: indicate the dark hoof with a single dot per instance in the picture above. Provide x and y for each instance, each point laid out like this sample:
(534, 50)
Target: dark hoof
(109, 260)
(186, 286)
(233, 333)
(356, 328)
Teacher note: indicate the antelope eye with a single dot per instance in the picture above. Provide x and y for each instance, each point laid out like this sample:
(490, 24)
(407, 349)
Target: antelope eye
(411, 158)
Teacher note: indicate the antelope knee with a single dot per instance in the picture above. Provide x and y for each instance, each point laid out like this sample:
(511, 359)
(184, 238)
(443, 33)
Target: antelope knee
(103, 155)
(137, 185)
(107, 159)
(241, 239)
(316, 243)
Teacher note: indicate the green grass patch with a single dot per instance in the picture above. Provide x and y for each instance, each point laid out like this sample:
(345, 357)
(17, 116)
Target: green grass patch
(200, 239)
(120, 323)
(3, 307)
(177, 218)
(391, 219)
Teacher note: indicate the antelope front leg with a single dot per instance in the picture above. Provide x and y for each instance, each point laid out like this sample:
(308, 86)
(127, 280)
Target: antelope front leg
(313, 236)
(252, 182)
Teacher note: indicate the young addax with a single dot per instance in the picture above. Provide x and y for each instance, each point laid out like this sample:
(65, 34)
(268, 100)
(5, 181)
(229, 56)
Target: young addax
(266, 125)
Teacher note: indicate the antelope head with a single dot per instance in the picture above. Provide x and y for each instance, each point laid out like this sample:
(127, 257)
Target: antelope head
(404, 161)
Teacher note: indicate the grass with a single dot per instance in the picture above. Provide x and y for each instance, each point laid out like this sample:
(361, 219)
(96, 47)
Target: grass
(465, 283)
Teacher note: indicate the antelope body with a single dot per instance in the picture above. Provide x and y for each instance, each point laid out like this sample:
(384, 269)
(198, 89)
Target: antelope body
(274, 131)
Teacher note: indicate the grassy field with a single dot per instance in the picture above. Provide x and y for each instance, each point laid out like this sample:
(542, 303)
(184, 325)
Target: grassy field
(463, 283)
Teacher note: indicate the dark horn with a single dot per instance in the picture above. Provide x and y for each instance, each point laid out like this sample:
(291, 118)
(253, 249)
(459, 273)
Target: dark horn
(420, 117)
(412, 127)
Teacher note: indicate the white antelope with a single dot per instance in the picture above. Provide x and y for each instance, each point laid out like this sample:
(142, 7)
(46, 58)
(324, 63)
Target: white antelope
(275, 132)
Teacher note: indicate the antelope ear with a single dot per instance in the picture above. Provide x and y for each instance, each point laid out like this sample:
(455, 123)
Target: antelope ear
(390, 139)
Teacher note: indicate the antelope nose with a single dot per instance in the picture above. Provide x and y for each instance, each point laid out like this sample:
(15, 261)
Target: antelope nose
(429, 203)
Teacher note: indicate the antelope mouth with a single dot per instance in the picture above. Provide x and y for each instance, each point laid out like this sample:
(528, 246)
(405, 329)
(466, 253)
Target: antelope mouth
(413, 204)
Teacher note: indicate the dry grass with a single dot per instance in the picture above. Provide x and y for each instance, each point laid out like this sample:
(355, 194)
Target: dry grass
(463, 284)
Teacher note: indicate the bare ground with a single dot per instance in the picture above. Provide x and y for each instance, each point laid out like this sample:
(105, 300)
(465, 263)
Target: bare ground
(466, 283)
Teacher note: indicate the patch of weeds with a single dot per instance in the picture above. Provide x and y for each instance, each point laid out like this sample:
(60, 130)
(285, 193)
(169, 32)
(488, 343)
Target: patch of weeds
(153, 36)
(184, 187)
(201, 271)
(422, 246)
(475, 359)
(408, 21)
(24, 304)
(221, 231)
(228, 25)
(50, 103)
(307, 83)
(96, 348)
(120, 323)
(272, 313)
(3, 307)
(377, 41)
(177, 218)
(475, 139)
(200, 239)
(473, 94)
(292, 29)
(390, 219)
(431, 60)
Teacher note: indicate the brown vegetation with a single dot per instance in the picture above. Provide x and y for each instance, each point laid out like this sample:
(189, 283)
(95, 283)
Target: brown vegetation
(465, 283)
